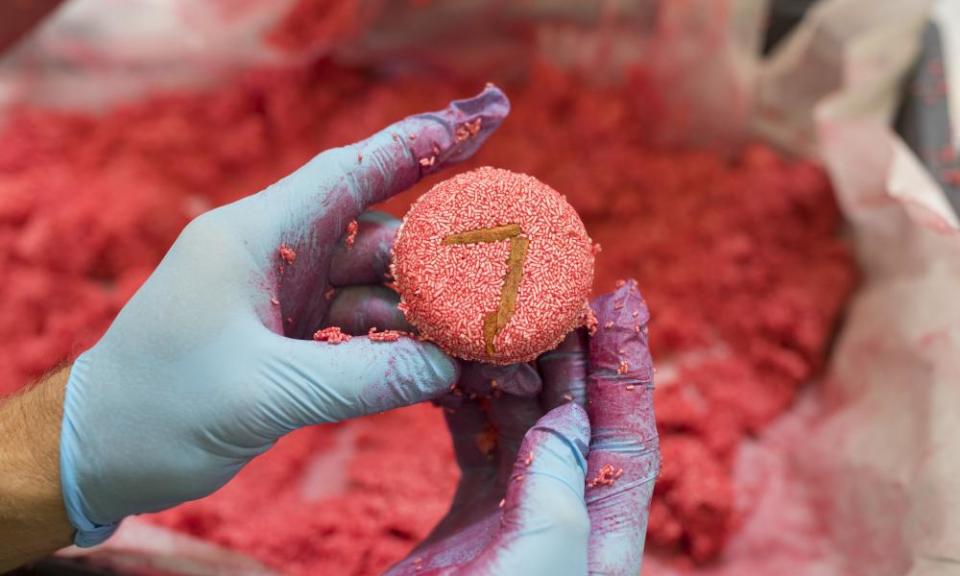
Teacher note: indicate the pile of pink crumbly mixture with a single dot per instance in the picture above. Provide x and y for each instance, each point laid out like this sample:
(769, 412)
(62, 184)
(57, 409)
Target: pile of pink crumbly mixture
(738, 254)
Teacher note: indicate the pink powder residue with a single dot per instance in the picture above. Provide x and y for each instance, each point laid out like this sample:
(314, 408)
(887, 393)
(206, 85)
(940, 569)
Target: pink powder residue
(448, 289)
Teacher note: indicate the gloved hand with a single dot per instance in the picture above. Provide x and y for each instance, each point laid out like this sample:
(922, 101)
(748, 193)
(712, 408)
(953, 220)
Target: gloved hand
(543, 489)
(211, 360)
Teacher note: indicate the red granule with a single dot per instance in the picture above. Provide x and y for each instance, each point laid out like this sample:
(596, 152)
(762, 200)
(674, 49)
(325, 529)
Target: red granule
(455, 255)
(351, 233)
(606, 476)
(288, 254)
(468, 129)
(384, 336)
(740, 249)
(590, 321)
(331, 335)
(486, 441)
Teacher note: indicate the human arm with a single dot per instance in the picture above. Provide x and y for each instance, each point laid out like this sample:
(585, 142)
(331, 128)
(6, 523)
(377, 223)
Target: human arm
(33, 520)
(212, 360)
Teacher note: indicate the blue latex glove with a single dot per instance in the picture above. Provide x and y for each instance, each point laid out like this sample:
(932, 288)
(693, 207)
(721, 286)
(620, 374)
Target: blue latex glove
(211, 361)
(542, 491)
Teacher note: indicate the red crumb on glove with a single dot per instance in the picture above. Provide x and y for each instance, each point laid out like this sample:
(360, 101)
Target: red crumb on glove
(606, 476)
(590, 320)
(468, 130)
(351, 233)
(493, 266)
(486, 441)
(288, 254)
(331, 335)
(385, 336)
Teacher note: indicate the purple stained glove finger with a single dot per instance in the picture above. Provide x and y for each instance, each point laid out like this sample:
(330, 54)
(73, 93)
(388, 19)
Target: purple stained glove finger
(357, 309)
(342, 182)
(365, 259)
(564, 372)
(624, 450)
(487, 379)
(454, 134)
(313, 206)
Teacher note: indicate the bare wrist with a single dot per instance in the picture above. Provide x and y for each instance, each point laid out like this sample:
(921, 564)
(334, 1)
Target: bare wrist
(33, 521)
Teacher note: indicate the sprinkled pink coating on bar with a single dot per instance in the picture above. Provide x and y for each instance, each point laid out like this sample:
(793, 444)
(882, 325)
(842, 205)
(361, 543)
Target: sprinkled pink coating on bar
(447, 289)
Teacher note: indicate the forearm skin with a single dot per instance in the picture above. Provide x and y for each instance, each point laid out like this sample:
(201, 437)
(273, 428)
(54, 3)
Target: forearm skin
(33, 521)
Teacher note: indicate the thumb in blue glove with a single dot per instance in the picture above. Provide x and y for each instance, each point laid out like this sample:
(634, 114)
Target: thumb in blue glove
(540, 527)
(545, 525)
(211, 361)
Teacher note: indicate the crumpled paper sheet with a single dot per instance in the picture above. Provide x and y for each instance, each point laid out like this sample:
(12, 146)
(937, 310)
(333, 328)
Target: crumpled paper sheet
(883, 461)
(858, 48)
(887, 454)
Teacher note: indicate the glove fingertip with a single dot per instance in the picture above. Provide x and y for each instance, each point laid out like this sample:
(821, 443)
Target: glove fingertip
(545, 494)
(413, 363)
(446, 137)
(570, 422)
(491, 102)
(619, 348)
(445, 371)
